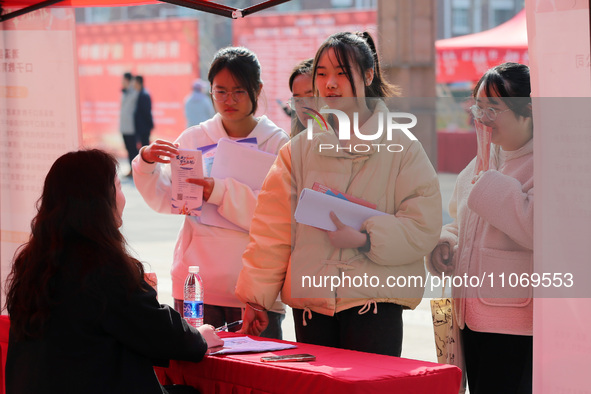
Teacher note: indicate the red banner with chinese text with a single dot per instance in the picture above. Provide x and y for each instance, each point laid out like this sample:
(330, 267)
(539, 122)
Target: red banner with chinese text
(468, 64)
(165, 53)
(281, 40)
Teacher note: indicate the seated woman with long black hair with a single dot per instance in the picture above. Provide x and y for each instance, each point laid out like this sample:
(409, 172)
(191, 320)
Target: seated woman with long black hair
(83, 320)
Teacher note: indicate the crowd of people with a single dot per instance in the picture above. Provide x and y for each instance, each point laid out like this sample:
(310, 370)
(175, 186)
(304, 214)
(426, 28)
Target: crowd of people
(77, 259)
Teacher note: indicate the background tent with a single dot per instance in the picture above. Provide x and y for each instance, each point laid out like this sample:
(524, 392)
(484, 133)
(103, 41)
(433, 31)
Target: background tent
(466, 58)
(201, 5)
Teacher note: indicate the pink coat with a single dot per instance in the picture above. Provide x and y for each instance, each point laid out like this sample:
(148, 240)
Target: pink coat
(492, 237)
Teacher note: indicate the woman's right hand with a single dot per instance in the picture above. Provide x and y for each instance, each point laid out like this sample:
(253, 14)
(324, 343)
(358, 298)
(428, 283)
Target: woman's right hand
(159, 151)
(442, 258)
(254, 322)
(208, 333)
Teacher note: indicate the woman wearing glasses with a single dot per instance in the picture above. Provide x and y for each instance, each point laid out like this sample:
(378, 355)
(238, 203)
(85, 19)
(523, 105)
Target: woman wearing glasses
(235, 79)
(492, 238)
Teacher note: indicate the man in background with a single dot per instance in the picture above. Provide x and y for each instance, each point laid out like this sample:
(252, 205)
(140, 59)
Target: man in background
(198, 106)
(126, 122)
(143, 120)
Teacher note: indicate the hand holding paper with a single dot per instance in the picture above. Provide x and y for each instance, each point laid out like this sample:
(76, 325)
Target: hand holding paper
(159, 151)
(206, 183)
(208, 333)
(314, 210)
(345, 237)
(187, 198)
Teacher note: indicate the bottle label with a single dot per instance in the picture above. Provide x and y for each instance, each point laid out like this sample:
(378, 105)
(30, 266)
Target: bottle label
(193, 309)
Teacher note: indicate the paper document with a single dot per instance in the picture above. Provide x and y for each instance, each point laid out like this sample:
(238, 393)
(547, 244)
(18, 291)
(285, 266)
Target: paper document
(335, 193)
(314, 210)
(186, 197)
(209, 151)
(246, 344)
(238, 161)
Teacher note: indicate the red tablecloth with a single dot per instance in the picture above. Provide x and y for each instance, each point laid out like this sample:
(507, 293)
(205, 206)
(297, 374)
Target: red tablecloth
(334, 371)
(4, 329)
(455, 150)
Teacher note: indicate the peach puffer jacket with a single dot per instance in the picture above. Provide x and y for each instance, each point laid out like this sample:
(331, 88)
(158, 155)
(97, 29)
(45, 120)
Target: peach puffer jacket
(281, 252)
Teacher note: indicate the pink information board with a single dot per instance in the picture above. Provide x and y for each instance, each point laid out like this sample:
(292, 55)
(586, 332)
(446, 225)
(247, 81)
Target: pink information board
(38, 115)
(561, 89)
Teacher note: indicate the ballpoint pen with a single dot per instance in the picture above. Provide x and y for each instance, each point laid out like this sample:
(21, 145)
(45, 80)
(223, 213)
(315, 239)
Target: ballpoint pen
(228, 325)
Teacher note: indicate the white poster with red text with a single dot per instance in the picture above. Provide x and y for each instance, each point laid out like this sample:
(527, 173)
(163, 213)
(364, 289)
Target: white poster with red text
(38, 115)
(560, 61)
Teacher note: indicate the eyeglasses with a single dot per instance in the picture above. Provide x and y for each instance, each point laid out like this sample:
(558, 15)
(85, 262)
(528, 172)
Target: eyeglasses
(222, 95)
(490, 113)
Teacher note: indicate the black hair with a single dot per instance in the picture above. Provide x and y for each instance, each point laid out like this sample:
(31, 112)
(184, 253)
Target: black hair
(360, 49)
(128, 76)
(139, 80)
(75, 234)
(244, 65)
(511, 82)
(302, 68)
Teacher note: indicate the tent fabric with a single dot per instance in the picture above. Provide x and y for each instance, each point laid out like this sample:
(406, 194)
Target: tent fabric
(79, 3)
(466, 58)
(202, 5)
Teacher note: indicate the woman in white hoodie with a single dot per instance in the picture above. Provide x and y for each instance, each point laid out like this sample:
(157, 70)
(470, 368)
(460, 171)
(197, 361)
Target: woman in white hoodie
(492, 237)
(235, 79)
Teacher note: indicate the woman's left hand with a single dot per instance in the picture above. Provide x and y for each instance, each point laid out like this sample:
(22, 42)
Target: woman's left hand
(207, 184)
(345, 237)
(476, 177)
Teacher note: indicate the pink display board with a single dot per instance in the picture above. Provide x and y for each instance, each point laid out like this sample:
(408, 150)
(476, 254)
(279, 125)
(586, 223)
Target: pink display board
(38, 115)
(560, 64)
(282, 40)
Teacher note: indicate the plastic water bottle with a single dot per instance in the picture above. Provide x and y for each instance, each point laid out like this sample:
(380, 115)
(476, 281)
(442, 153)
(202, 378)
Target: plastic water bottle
(193, 298)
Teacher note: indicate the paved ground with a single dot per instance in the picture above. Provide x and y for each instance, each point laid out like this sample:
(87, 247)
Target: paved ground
(151, 236)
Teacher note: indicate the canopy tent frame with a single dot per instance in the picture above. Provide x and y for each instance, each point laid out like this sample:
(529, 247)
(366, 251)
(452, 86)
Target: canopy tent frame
(26, 10)
(199, 5)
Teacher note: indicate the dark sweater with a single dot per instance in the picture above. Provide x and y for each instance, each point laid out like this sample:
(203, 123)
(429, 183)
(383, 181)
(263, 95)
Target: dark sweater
(101, 341)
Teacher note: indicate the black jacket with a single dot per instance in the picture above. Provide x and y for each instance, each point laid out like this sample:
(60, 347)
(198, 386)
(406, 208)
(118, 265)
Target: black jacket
(142, 117)
(102, 342)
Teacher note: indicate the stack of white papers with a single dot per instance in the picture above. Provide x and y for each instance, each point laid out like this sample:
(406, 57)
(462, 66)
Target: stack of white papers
(244, 164)
(246, 344)
(314, 210)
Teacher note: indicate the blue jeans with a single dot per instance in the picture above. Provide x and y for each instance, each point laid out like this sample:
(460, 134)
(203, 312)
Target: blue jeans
(379, 333)
(219, 315)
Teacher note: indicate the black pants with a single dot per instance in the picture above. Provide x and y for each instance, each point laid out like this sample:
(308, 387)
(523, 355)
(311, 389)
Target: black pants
(379, 333)
(219, 315)
(498, 363)
(131, 146)
(179, 389)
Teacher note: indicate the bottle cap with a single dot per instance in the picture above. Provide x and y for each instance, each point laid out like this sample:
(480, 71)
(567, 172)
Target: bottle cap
(194, 269)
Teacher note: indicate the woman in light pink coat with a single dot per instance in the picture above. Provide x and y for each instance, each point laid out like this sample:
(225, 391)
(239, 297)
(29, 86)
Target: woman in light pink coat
(491, 238)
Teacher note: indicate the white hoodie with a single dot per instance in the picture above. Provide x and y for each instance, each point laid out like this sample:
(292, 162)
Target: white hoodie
(217, 251)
